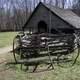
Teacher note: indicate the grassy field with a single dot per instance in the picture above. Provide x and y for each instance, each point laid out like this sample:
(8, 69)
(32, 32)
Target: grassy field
(13, 72)
(6, 38)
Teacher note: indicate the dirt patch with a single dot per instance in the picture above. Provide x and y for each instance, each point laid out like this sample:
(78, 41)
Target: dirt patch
(5, 50)
(2, 60)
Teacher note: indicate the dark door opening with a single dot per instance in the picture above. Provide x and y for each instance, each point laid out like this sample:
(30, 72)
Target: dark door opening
(42, 27)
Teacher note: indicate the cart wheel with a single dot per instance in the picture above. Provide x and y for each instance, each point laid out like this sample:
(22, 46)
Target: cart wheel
(68, 60)
(16, 49)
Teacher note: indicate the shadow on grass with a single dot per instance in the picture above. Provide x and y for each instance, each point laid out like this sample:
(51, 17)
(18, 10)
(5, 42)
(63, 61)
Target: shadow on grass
(21, 67)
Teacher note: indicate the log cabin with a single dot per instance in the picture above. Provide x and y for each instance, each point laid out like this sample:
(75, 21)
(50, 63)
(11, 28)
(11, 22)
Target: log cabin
(47, 18)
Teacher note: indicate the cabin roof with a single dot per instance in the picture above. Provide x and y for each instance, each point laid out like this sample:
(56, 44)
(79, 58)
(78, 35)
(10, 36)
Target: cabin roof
(65, 14)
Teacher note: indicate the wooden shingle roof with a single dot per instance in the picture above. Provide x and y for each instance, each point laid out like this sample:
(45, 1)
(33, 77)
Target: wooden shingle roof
(66, 15)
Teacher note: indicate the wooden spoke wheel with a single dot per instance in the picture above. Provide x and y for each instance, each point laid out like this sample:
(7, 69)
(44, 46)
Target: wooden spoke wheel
(16, 49)
(68, 60)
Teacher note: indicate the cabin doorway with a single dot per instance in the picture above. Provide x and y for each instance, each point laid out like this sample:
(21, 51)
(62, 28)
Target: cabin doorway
(42, 27)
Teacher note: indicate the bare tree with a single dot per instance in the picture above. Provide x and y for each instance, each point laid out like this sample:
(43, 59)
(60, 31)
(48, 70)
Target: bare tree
(2, 27)
(26, 8)
(56, 3)
(63, 4)
(76, 4)
(76, 7)
(44, 1)
(34, 4)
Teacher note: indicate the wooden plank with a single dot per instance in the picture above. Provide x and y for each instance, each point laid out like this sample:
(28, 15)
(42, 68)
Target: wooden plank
(36, 60)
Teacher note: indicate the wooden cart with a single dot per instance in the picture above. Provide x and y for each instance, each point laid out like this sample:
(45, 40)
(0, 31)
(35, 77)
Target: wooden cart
(35, 49)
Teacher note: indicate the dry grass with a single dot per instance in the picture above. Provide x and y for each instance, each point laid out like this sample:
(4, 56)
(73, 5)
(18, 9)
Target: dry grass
(11, 72)
(6, 38)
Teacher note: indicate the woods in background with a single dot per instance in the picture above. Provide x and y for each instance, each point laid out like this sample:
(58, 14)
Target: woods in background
(14, 13)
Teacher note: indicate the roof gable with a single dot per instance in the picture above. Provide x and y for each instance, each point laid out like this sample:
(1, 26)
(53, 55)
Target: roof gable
(32, 14)
(66, 15)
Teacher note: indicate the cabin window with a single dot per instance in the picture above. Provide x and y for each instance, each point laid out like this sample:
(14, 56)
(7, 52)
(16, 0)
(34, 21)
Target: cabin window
(42, 27)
